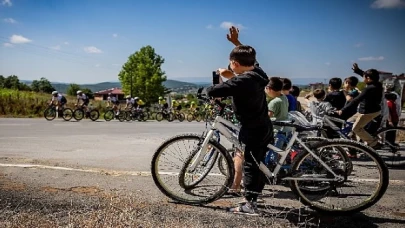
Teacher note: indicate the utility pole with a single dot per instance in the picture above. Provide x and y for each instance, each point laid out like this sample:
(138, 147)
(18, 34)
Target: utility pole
(131, 86)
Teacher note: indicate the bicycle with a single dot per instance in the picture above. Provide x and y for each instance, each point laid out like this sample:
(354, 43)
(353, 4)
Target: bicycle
(52, 110)
(136, 114)
(110, 114)
(393, 153)
(177, 114)
(327, 174)
(194, 115)
(164, 114)
(79, 113)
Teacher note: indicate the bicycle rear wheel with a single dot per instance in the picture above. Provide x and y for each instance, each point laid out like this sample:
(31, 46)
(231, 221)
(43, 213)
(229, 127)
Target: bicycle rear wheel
(338, 200)
(393, 146)
(94, 115)
(190, 117)
(212, 187)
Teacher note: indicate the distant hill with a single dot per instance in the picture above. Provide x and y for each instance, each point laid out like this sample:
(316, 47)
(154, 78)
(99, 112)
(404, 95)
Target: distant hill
(174, 85)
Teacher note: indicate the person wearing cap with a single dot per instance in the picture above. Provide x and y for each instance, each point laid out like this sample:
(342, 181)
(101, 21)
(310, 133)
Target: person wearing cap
(130, 102)
(60, 99)
(369, 102)
(114, 102)
(82, 97)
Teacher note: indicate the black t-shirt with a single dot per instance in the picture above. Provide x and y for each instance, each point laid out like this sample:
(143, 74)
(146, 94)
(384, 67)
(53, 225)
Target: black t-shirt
(337, 99)
(349, 112)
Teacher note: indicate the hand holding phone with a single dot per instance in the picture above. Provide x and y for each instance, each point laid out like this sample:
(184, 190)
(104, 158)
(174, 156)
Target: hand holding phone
(215, 78)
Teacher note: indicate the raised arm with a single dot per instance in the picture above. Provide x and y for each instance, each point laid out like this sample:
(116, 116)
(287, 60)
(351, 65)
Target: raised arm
(357, 70)
(233, 37)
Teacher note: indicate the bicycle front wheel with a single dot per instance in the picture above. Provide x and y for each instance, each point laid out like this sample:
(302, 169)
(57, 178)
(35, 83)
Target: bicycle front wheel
(169, 159)
(393, 146)
(343, 197)
(50, 114)
(67, 114)
(78, 114)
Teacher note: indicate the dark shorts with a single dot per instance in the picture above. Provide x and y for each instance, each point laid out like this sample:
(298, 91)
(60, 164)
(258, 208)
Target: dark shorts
(116, 102)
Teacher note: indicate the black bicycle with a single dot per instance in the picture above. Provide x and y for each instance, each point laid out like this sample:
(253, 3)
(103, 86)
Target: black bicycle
(81, 113)
(51, 111)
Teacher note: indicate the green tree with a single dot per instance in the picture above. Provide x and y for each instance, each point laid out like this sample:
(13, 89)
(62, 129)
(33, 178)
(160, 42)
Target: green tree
(43, 85)
(12, 82)
(88, 92)
(2, 79)
(72, 89)
(143, 70)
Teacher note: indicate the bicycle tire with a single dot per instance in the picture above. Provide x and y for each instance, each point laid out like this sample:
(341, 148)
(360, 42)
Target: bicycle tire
(170, 117)
(400, 164)
(53, 113)
(190, 117)
(65, 116)
(216, 195)
(384, 178)
(94, 115)
(181, 117)
(159, 116)
(198, 117)
(78, 114)
(107, 116)
(210, 165)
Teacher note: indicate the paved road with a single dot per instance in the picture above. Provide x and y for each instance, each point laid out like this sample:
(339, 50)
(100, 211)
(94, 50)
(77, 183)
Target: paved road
(113, 146)
(85, 144)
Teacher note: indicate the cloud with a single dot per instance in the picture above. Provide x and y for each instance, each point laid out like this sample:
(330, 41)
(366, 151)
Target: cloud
(57, 47)
(6, 3)
(18, 39)
(10, 20)
(327, 63)
(371, 58)
(66, 43)
(92, 49)
(8, 45)
(209, 27)
(388, 4)
(227, 25)
(359, 45)
(115, 35)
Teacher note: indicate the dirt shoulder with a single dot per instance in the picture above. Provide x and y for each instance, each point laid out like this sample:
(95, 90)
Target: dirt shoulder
(54, 198)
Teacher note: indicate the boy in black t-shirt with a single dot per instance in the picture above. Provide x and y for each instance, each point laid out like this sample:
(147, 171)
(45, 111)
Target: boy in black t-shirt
(246, 83)
(336, 97)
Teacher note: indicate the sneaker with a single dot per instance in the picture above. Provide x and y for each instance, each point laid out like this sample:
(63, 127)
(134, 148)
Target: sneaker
(377, 146)
(248, 208)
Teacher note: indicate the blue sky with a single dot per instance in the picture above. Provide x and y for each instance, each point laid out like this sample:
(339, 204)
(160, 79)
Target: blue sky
(87, 41)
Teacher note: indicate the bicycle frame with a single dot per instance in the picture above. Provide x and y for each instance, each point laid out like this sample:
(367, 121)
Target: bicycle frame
(225, 128)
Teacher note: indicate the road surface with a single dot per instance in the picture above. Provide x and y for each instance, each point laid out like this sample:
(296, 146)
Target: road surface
(59, 156)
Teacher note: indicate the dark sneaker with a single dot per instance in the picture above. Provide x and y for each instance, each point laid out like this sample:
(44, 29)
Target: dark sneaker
(248, 208)
(377, 146)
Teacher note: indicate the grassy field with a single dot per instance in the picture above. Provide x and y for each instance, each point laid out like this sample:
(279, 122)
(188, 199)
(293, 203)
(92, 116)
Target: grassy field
(15, 103)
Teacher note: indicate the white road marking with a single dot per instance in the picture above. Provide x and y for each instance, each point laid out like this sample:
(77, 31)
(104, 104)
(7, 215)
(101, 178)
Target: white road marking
(10, 124)
(19, 137)
(148, 173)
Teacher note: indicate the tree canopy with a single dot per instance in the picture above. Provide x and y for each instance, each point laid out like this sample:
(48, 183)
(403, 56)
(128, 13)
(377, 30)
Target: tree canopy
(43, 85)
(143, 70)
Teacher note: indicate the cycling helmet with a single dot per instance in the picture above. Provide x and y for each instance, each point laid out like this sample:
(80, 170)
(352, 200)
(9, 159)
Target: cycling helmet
(192, 102)
(54, 92)
(128, 96)
(79, 91)
(160, 98)
(136, 98)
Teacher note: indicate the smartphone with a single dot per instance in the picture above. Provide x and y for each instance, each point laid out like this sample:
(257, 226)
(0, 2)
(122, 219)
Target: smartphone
(215, 78)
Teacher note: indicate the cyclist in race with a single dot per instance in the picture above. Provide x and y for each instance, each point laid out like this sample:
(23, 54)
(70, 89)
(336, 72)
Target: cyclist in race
(176, 105)
(139, 103)
(193, 106)
(60, 99)
(130, 102)
(163, 104)
(84, 98)
(114, 102)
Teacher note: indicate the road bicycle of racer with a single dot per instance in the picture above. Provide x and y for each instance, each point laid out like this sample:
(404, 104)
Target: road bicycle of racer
(80, 113)
(324, 171)
(164, 114)
(110, 114)
(51, 112)
(136, 114)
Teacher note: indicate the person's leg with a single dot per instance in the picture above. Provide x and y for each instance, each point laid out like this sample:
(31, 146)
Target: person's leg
(238, 162)
(390, 136)
(358, 128)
